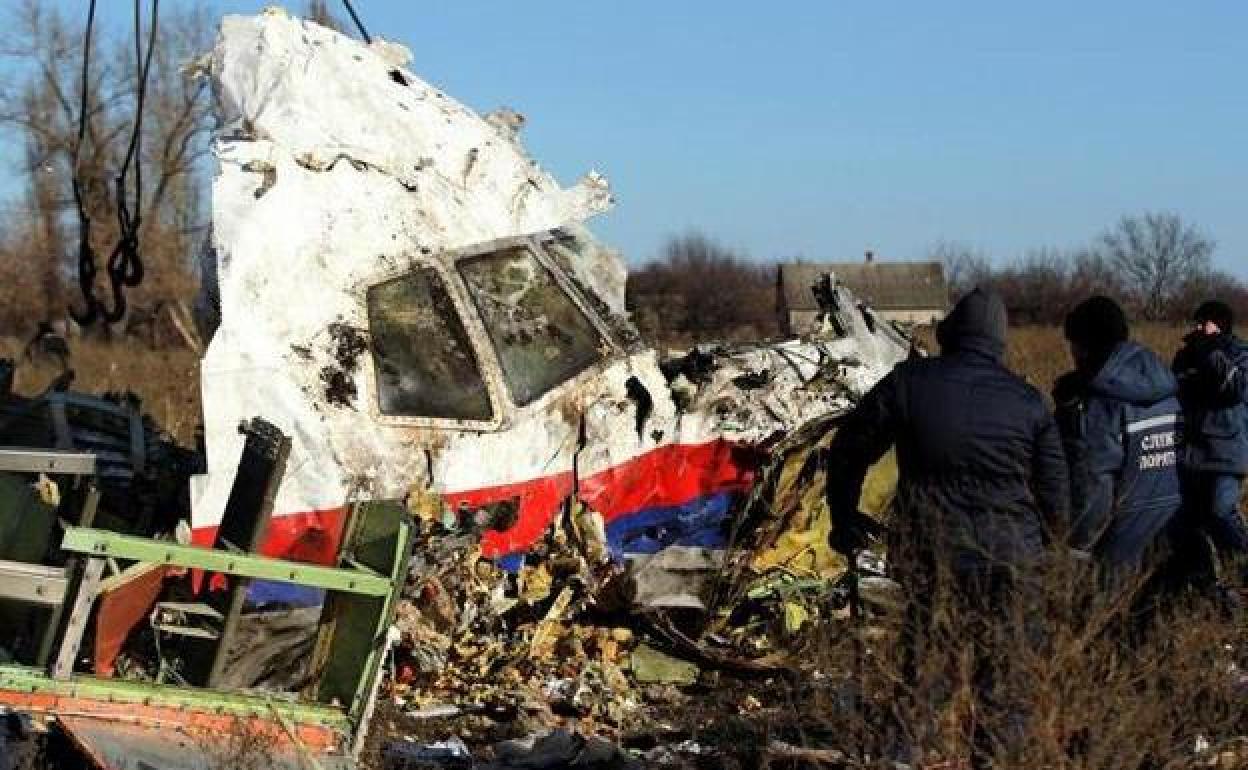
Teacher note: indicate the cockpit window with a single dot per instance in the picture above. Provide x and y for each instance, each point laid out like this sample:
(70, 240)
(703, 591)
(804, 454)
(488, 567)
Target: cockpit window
(423, 356)
(541, 336)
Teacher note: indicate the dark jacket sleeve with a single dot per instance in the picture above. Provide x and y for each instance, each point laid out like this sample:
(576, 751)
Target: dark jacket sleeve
(1228, 375)
(863, 438)
(1180, 363)
(1095, 512)
(1212, 371)
(1102, 455)
(1186, 372)
(1050, 479)
(1068, 413)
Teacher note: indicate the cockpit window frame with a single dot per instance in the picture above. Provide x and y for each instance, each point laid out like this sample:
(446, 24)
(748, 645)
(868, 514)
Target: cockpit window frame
(446, 266)
(486, 364)
(603, 347)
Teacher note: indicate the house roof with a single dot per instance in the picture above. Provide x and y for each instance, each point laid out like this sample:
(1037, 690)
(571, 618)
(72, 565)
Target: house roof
(884, 285)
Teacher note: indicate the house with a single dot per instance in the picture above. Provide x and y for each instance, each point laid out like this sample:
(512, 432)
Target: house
(910, 292)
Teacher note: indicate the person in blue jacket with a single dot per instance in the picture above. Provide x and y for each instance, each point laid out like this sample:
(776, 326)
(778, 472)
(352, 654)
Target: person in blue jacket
(1121, 425)
(1212, 369)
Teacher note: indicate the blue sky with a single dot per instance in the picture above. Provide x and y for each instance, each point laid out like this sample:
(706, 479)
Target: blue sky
(823, 129)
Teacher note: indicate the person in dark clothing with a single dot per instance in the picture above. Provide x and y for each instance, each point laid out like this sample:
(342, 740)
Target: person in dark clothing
(1120, 420)
(1212, 370)
(977, 448)
(982, 491)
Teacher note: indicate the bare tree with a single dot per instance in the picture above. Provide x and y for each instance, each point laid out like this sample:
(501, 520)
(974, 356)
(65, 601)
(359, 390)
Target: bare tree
(965, 267)
(40, 107)
(1214, 284)
(1036, 288)
(699, 288)
(1156, 253)
(1091, 273)
(1040, 287)
(1154, 264)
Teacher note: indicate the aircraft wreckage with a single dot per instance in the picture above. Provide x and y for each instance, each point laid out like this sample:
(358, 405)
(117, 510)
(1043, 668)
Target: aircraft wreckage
(427, 418)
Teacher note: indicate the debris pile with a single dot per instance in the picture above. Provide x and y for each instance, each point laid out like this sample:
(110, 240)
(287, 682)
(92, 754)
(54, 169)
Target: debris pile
(142, 472)
(554, 749)
(782, 575)
(758, 393)
(535, 645)
(574, 639)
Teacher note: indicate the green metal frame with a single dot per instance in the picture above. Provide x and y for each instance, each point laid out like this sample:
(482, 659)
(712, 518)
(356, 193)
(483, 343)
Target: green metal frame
(35, 681)
(363, 584)
(404, 541)
(101, 543)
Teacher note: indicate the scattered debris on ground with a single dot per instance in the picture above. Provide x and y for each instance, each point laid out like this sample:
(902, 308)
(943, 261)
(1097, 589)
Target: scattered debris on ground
(574, 640)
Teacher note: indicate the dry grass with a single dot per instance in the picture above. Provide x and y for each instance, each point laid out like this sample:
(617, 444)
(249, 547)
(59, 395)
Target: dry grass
(1040, 354)
(166, 380)
(1076, 682)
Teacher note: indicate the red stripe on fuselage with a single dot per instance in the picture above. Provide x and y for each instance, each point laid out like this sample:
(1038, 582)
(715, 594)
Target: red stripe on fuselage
(667, 476)
(664, 477)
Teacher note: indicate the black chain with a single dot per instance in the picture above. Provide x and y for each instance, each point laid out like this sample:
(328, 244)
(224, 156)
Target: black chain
(86, 255)
(125, 263)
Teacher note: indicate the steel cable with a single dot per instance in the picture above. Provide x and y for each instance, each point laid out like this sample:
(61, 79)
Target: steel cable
(358, 24)
(86, 256)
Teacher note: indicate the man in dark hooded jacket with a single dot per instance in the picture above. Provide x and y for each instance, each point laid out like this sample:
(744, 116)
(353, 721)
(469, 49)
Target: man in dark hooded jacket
(1212, 369)
(1120, 419)
(981, 471)
(982, 483)
(982, 489)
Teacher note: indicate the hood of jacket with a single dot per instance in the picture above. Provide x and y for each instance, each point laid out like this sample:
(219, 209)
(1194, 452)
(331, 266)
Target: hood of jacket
(1135, 374)
(976, 324)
